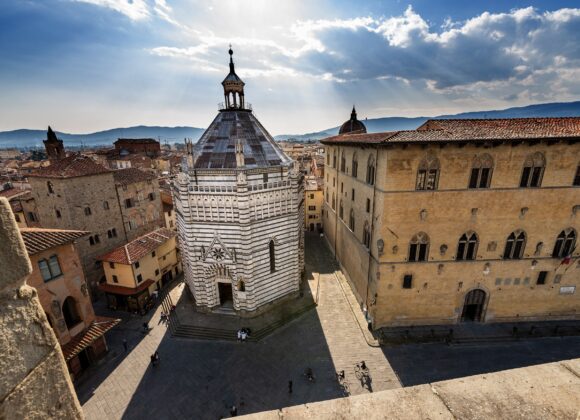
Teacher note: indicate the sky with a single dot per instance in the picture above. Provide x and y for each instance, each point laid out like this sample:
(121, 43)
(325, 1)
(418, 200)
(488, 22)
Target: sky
(88, 65)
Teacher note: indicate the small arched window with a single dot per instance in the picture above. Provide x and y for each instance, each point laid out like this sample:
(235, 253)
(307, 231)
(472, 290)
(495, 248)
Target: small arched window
(371, 170)
(367, 235)
(342, 162)
(419, 247)
(333, 202)
(467, 247)
(272, 249)
(481, 171)
(70, 312)
(326, 195)
(241, 286)
(576, 182)
(533, 171)
(354, 165)
(91, 240)
(351, 220)
(428, 174)
(565, 243)
(341, 210)
(515, 244)
(327, 157)
(50, 187)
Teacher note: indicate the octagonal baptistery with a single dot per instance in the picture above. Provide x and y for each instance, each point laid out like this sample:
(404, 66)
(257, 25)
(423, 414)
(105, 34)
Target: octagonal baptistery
(239, 210)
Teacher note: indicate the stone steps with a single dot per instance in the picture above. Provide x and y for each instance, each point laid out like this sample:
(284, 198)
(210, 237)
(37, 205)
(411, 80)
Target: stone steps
(208, 333)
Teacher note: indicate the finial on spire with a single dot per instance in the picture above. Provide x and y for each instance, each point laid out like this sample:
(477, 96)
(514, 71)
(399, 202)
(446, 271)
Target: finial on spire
(231, 53)
(353, 113)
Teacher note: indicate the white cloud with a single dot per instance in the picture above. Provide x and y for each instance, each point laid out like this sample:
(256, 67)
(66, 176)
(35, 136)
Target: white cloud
(133, 9)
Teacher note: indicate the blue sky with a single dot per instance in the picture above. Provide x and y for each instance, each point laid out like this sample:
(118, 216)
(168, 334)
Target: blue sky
(87, 65)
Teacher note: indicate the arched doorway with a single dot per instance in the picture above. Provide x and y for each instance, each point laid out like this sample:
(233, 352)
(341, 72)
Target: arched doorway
(70, 312)
(473, 306)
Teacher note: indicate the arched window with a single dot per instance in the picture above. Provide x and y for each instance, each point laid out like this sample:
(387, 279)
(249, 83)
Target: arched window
(91, 240)
(428, 174)
(419, 247)
(515, 244)
(50, 187)
(533, 171)
(334, 159)
(481, 171)
(341, 210)
(70, 312)
(367, 235)
(351, 220)
(272, 256)
(342, 162)
(371, 170)
(241, 286)
(565, 244)
(333, 202)
(354, 165)
(467, 247)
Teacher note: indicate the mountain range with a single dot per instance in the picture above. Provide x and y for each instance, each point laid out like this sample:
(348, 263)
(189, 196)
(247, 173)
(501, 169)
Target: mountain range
(33, 138)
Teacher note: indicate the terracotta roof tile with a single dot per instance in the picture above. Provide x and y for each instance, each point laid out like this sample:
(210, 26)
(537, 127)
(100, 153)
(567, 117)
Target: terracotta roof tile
(514, 129)
(131, 176)
(72, 166)
(138, 248)
(81, 341)
(37, 240)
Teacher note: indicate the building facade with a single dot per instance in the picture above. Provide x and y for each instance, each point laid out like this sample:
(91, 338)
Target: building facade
(459, 220)
(149, 147)
(239, 208)
(137, 269)
(58, 277)
(140, 201)
(313, 204)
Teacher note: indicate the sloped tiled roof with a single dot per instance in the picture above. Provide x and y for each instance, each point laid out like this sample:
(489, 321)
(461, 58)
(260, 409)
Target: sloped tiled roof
(37, 240)
(72, 166)
(131, 176)
(138, 248)
(472, 130)
(81, 341)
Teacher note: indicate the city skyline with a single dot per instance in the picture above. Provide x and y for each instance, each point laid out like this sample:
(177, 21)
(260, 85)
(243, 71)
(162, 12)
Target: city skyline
(88, 65)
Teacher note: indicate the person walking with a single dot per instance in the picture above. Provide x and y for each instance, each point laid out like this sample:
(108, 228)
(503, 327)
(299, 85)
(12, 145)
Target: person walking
(125, 345)
(234, 411)
(289, 387)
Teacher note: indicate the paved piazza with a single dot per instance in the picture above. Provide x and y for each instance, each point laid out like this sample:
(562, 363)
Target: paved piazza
(200, 379)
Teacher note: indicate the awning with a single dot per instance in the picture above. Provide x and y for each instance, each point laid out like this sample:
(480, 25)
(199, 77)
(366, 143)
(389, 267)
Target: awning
(126, 291)
(83, 340)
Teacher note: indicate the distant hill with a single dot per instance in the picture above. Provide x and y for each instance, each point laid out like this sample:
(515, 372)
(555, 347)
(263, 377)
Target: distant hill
(375, 125)
(31, 138)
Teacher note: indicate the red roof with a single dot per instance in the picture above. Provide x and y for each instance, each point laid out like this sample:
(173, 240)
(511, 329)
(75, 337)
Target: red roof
(138, 248)
(72, 166)
(37, 240)
(125, 291)
(131, 176)
(514, 129)
(81, 341)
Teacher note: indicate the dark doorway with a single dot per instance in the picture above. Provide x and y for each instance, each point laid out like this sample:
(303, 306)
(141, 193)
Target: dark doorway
(473, 306)
(225, 291)
(85, 359)
(311, 227)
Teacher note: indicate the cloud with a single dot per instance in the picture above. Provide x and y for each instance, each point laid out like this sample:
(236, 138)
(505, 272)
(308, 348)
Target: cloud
(133, 9)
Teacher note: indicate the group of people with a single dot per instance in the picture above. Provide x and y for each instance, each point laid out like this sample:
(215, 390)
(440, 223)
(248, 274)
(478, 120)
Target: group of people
(243, 334)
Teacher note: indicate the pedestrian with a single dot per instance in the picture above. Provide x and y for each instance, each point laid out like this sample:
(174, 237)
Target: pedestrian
(289, 387)
(243, 335)
(125, 345)
(156, 355)
(239, 335)
(152, 360)
(234, 411)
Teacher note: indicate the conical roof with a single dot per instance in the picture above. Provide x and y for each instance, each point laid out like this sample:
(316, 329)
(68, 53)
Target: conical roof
(216, 149)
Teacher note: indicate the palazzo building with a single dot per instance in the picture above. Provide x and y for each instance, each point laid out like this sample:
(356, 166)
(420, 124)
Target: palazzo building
(239, 205)
(459, 220)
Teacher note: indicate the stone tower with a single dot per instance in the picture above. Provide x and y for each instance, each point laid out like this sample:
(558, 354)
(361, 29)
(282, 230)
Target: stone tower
(54, 146)
(239, 209)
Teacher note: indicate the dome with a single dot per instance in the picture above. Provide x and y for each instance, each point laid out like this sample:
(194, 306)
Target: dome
(352, 126)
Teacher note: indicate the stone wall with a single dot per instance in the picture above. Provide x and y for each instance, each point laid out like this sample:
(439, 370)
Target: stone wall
(548, 391)
(35, 382)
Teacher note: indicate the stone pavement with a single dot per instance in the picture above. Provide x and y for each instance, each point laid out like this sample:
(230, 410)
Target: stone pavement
(202, 379)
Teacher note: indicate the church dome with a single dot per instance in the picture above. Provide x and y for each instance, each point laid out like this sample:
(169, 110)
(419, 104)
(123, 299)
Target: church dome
(352, 126)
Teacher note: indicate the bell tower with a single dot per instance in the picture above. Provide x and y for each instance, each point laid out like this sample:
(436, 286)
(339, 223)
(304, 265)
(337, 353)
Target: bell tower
(54, 147)
(233, 87)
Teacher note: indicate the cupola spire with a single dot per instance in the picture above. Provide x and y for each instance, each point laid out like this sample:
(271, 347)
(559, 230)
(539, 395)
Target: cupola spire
(233, 87)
